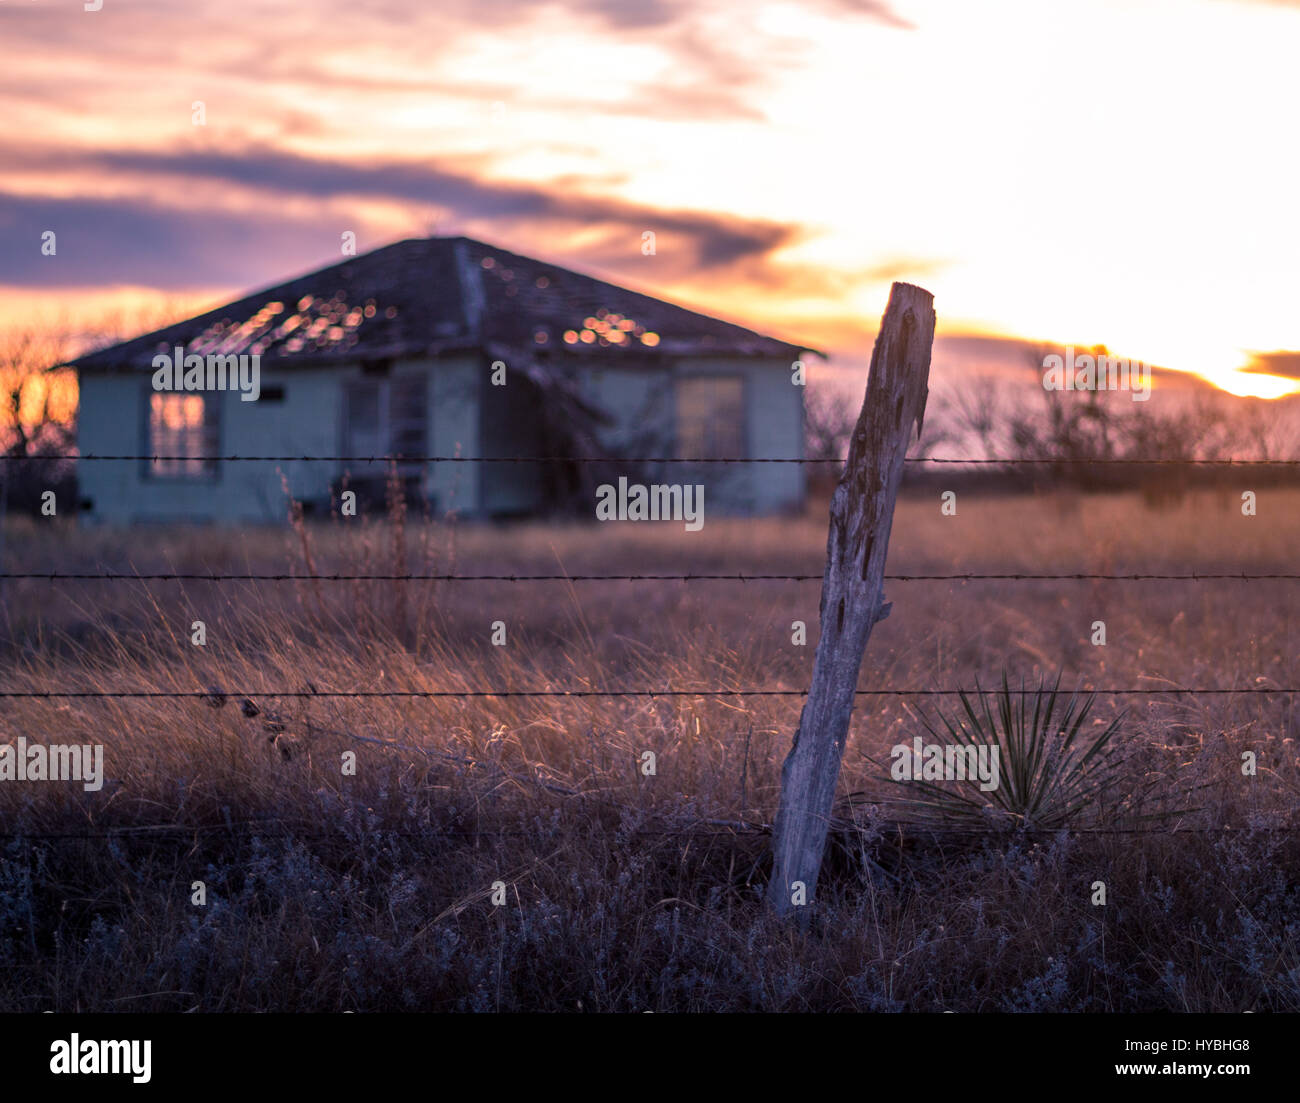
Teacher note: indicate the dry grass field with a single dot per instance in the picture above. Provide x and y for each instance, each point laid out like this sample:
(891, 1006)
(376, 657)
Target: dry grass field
(330, 890)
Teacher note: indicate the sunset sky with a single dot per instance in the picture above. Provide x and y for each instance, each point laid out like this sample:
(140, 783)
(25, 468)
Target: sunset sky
(1085, 171)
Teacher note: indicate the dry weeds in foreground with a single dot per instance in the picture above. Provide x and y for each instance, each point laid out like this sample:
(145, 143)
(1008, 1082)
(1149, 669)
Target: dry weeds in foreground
(628, 892)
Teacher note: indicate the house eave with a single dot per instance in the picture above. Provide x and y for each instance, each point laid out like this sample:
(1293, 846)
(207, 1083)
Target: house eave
(440, 350)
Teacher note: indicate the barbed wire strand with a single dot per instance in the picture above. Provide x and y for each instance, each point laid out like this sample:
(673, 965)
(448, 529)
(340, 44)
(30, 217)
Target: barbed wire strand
(153, 831)
(212, 694)
(403, 459)
(115, 576)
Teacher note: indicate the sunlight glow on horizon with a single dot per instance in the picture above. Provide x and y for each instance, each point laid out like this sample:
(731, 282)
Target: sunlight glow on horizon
(1112, 170)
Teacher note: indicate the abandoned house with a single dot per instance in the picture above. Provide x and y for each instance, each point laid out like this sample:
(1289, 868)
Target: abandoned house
(439, 347)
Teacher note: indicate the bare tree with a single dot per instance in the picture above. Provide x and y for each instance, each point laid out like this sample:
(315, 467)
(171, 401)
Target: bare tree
(971, 417)
(829, 419)
(38, 402)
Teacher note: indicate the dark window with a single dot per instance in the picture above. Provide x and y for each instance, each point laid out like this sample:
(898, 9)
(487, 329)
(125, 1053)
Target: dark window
(272, 394)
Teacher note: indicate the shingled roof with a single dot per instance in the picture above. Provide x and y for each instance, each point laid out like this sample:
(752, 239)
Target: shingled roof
(432, 296)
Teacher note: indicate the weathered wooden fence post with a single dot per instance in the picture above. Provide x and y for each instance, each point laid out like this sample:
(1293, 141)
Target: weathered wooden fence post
(853, 600)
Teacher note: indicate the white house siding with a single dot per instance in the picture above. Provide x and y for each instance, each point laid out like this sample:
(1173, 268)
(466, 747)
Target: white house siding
(308, 422)
(454, 388)
(641, 399)
(774, 415)
(113, 419)
(640, 402)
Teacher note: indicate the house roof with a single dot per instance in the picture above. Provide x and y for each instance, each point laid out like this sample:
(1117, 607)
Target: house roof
(429, 296)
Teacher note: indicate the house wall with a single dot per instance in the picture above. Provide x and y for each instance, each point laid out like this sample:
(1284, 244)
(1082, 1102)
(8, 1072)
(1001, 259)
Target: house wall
(455, 389)
(643, 402)
(774, 413)
(466, 416)
(113, 419)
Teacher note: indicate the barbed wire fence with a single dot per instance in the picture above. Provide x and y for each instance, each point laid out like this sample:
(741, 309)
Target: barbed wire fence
(665, 692)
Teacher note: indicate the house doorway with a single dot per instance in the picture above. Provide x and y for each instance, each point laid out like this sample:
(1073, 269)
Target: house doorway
(383, 420)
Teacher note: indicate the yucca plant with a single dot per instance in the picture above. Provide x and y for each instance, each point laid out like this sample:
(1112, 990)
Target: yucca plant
(1052, 773)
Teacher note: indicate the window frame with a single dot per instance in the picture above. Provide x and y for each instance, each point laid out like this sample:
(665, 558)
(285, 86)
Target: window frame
(384, 387)
(741, 430)
(212, 430)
